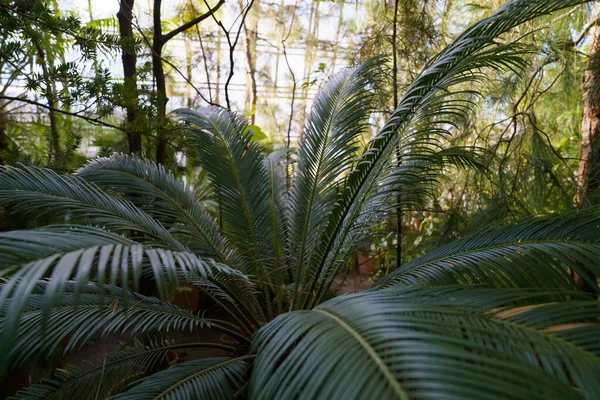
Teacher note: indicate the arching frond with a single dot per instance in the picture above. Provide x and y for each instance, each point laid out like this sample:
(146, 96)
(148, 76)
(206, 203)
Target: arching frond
(422, 118)
(222, 141)
(117, 265)
(31, 189)
(391, 345)
(224, 147)
(107, 376)
(157, 191)
(81, 313)
(331, 139)
(22, 246)
(211, 378)
(531, 253)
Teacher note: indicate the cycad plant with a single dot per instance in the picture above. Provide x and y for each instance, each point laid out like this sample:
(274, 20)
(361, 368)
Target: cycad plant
(494, 315)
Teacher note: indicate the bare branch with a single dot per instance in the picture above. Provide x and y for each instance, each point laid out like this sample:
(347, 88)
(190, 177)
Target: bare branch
(195, 21)
(93, 120)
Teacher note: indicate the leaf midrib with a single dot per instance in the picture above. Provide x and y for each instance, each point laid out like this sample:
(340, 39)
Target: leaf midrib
(389, 376)
(199, 373)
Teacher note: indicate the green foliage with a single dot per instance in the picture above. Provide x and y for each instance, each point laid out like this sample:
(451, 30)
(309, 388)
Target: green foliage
(493, 315)
(210, 378)
(445, 342)
(60, 63)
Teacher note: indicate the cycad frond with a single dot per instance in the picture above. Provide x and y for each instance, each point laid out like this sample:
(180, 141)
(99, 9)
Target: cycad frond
(159, 193)
(223, 144)
(22, 246)
(117, 265)
(390, 345)
(531, 253)
(81, 313)
(30, 189)
(210, 378)
(106, 376)
(331, 139)
(422, 118)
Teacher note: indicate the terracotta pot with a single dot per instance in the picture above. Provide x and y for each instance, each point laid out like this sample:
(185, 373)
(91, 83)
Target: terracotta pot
(366, 264)
(227, 339)
(172, 357)
(186, 297)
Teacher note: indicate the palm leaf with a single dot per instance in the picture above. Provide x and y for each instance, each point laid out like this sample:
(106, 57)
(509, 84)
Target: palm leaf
(424, 114)
(157, 191)
(529, 253)
(331, 139)
(210, 378)
(116, 265)
(107, 376)
(81, 313)
(31, 189)
(236, 164)
(22, 246)
(393, 344)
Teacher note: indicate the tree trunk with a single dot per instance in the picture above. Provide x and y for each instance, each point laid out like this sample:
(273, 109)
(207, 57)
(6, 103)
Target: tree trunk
(49, 94)
(161, 88)
(3, 133)
(250, 38)
(395, 97)
(588, 178)
(129, 60)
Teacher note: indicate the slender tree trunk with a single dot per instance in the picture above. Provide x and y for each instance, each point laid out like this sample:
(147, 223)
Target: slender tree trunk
(158, 42)
(3, 133)
(161, 87)
(129, 60)
(49, 94)
(395, 92)
(250, 38)
(310, 53)
(205, 60)
(337, 35)
(588, 192)
(90, 10)
(188, 70)
(218, 69)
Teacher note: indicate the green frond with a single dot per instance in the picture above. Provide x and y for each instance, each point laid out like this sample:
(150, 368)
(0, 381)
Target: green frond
(222, 141)
(424, 114)
(116, 265)
(391, 345)
(159, 193)
(418, 180)
(210, 379)
(106, 376)
(331, 140)
(236, 164)
(530, 253)
(30, 189)
(22, 246)
(81, 313)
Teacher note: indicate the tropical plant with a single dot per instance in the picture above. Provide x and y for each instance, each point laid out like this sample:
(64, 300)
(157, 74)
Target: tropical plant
(494, 315)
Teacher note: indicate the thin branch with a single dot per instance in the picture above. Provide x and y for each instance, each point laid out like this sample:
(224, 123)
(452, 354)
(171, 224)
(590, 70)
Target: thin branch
(287, 62)
(205, 63)
(593, 22)
(288, 179)
(165, 38)
(189, 82)
(96, 121)
(233, 45)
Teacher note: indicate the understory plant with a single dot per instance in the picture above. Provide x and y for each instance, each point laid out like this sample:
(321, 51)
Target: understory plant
(496, 315)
